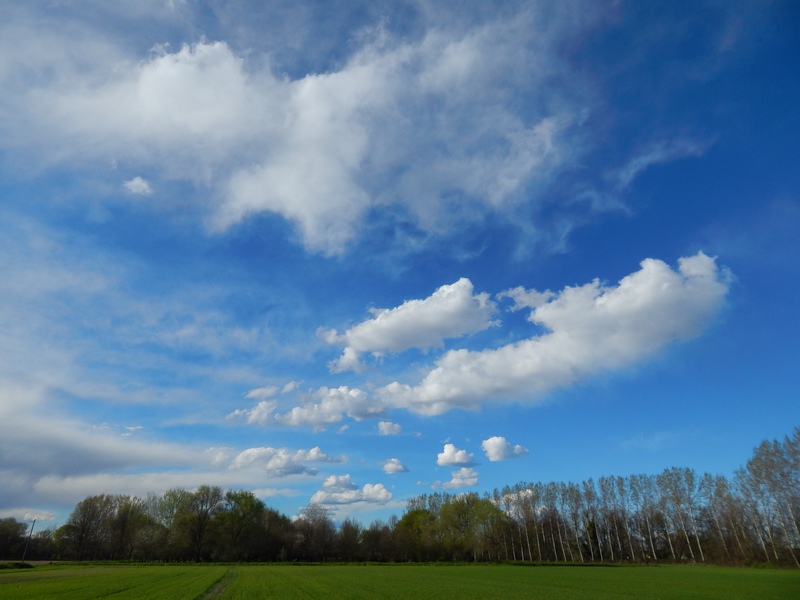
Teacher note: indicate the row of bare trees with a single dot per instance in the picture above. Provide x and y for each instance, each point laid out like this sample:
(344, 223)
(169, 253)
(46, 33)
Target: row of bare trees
(675, 516)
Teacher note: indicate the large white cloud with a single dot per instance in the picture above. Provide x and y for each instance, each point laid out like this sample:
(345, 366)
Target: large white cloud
(320, 149)
(451, 311)
(591, 328)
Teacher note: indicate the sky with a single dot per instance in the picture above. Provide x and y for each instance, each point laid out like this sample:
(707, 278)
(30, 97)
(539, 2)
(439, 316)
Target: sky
(351, 252)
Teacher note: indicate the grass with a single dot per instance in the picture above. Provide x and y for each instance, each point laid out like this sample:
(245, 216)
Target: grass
(206, 582)
(119, 582)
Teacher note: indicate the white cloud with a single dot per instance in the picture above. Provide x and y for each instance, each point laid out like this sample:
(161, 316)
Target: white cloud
(320, 149)
(451, 311)
(393, 465)
(498, 448)
(526, 298)
(325, 406)
(348, 361)
(138, 186)
(389, 428)
(290, 387)
(260, 414)
(591, 329)
(452, 456)
(280, 462)
(339, 489)
(464, 477)
(262, 393)
(657, 153)
(330, 405)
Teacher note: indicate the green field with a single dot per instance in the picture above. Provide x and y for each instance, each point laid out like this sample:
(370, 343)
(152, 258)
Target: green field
(396, 581)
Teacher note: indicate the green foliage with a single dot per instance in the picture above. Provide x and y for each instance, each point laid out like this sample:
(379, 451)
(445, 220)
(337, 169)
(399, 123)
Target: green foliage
(12, 534)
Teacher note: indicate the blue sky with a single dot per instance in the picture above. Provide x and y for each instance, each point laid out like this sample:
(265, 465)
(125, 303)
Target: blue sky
(353, 252)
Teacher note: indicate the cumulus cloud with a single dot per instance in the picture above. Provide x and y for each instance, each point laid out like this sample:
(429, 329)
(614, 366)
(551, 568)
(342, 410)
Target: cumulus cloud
(590, 329)
(325, 406)
(138, 187)
(450, 312)
(339, 489)
(393, 465)
(389, 428)
(280, 462)
(452, 456)
(330, 405)
(464, 477)
(258, 415)
(498, 448)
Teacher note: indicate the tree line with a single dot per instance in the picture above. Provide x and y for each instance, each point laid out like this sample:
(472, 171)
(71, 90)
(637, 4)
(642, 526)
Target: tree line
(675, 516)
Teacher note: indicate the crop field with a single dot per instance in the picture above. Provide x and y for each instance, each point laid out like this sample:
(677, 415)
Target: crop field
(222, 582)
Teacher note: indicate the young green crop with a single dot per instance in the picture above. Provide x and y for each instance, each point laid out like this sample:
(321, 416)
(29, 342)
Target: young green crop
(545, 583)
(79, 583)
(252, 582)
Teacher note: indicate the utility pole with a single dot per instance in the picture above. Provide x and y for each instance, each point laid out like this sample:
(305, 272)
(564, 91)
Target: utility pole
(28, 541)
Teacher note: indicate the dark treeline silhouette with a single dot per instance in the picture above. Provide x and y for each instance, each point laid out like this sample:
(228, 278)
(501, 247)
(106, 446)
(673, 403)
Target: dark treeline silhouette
(676, 516)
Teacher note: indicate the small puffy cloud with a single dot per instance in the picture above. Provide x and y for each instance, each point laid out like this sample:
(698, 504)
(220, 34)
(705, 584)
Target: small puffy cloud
(464, 477)
(393, 465)
(452, 456)
(290, 387)
(138, 187)
(281, 462)
(339, 489)
(325, 406)
(349, 361)
(498, 448)
(330, 405)
(526, 298)
(451, 311)
(39, 515)
(258, 415)
(590, 329)
(389, 428)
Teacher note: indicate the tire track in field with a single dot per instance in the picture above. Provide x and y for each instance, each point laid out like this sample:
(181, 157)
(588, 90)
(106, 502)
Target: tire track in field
(222, 584)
